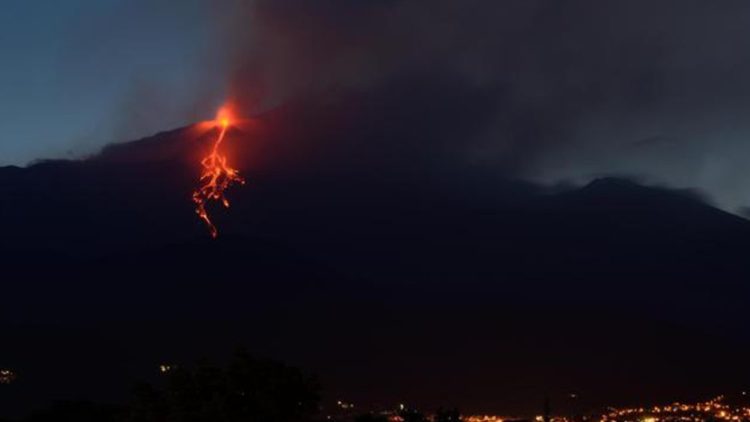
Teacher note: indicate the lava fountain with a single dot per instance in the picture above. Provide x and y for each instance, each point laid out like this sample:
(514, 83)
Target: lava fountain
(217, 176)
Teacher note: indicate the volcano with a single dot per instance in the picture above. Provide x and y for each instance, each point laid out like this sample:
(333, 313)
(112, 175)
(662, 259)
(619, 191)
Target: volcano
(381, 284)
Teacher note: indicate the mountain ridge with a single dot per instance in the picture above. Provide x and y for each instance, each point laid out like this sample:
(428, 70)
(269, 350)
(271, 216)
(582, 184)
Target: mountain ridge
(315, 262)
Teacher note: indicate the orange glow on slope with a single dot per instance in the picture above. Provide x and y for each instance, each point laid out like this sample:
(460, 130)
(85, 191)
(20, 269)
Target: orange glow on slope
(217, 175)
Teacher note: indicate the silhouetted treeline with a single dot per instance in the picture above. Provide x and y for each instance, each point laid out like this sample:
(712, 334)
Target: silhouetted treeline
(246, 390)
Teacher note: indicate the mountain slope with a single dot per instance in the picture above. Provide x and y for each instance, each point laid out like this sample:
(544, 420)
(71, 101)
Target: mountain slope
(367, 272)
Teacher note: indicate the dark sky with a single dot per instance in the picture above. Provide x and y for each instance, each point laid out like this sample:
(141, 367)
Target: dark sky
(562, 91)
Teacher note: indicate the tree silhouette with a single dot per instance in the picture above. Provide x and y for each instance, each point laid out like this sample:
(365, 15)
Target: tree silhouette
(246, 390)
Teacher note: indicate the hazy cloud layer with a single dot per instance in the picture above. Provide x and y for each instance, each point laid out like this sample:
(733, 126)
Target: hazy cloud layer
(554, 91)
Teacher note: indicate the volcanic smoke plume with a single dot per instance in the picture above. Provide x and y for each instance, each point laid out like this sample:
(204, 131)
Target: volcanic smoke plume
(549, 92)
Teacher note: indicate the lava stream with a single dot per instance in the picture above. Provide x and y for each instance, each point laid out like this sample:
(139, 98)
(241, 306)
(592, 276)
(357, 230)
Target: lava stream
(217, 176)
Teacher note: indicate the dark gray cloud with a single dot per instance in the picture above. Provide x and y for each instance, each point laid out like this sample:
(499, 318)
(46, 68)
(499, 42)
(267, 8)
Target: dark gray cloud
(546, 90)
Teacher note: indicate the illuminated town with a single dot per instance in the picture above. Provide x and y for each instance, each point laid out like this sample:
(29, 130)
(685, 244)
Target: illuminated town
(717, 409)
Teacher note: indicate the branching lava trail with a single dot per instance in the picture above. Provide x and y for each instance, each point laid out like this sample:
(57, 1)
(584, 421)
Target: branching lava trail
(217, 176)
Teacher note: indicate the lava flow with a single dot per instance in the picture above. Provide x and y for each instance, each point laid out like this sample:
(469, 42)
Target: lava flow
(217, 176)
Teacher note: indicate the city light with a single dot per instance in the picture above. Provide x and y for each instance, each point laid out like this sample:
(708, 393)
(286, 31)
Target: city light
(165, 368)
(715, 410)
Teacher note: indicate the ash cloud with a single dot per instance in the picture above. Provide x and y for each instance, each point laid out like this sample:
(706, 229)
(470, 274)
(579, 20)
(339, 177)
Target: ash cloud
(542, 90)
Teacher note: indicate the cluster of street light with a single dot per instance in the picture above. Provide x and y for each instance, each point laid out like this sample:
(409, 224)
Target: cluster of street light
(483, 418)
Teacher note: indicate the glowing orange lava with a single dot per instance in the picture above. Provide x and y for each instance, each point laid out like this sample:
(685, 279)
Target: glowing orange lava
(217, 176)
